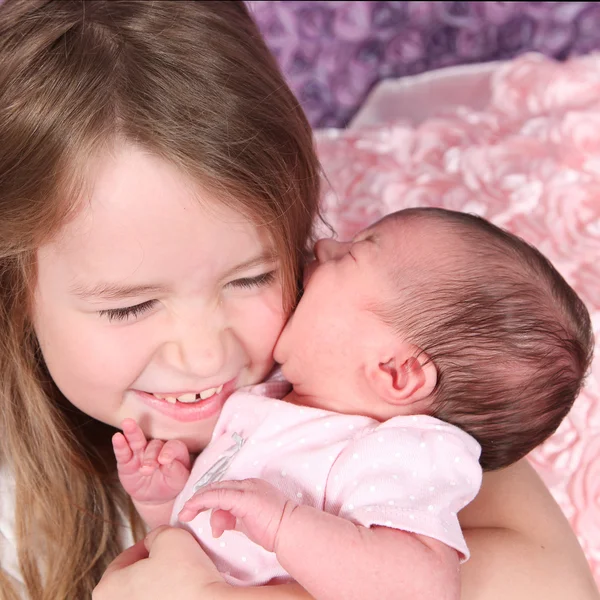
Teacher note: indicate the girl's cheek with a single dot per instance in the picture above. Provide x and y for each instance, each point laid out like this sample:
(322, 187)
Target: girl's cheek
(259, 325)
(112, 350)
(274, 315)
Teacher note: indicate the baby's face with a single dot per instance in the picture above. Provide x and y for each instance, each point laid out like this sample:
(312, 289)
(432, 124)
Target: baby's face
(334, 330)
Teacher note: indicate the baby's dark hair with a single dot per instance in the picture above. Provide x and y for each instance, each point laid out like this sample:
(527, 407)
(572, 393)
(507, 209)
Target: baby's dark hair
(511, 340)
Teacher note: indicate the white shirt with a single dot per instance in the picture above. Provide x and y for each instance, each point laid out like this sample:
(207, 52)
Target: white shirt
(8, 545)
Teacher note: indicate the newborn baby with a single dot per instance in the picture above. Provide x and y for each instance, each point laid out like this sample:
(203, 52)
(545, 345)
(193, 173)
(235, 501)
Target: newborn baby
(431, 346)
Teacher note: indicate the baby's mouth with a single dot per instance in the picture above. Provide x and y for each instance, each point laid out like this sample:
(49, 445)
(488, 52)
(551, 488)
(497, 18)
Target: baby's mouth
(190, 397)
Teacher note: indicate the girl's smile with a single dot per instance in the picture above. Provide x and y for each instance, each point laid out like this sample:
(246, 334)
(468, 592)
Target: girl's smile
(188, 407)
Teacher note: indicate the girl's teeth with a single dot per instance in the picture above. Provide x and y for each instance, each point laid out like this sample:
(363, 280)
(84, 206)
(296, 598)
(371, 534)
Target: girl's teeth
(190, 397)
(186, 398)
(208, 393)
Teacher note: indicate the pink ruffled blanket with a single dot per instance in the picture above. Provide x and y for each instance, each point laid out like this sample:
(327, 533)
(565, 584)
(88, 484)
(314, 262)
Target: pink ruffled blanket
(530, 162)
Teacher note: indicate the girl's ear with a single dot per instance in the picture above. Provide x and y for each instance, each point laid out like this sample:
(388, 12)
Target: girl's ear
(403, 380)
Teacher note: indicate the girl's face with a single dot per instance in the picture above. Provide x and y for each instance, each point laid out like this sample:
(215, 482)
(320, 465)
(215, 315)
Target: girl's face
(156, 302)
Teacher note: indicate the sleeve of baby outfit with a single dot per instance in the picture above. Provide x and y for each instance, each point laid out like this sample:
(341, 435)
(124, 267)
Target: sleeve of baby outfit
(409, 473)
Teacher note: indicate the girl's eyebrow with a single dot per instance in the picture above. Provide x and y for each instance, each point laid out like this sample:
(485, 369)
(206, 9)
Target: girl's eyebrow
(261, 259)
(113, 291)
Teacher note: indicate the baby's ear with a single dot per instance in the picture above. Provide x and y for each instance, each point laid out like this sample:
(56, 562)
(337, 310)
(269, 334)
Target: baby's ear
(403, 380)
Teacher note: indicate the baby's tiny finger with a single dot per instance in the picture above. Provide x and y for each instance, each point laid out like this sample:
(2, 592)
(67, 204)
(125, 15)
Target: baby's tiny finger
(226, 499)
(221, 521)
(233, 485)
(196, 502)
(134, 435)
(189, 513)
(176, 474)
(174, 450)
(151, 454)
(121, 448)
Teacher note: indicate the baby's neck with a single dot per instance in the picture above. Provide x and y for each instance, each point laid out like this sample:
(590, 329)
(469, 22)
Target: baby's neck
(310, 401)
(324, 402)
(321, 403)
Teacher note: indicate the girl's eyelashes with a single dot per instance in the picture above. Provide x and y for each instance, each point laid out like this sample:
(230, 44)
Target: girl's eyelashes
(132, 312)
(122, 314)
(253, 282)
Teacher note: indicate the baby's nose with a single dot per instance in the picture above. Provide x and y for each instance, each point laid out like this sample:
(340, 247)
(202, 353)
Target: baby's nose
(328, 249)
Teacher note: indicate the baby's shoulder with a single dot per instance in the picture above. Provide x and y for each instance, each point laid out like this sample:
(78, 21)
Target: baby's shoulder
(423, 431)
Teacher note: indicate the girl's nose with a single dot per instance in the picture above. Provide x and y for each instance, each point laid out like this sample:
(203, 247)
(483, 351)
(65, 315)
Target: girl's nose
(328, 249)
(197, 347)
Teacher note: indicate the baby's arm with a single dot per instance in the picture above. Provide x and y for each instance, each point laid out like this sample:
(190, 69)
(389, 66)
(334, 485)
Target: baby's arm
(333, 558)
(152, 473)
(329, 556)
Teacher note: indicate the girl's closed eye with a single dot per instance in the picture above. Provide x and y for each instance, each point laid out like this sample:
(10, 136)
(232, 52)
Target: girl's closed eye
(261, 280)
(128, 312)
(133, 312)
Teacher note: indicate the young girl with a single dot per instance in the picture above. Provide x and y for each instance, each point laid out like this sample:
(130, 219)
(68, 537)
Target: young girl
(158, 185)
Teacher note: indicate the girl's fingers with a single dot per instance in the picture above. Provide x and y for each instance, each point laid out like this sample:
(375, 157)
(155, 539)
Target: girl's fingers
(174, 450)
(134, 435)
(128, 557)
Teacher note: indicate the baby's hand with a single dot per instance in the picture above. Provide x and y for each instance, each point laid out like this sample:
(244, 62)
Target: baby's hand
(258, 507)
(151, 472)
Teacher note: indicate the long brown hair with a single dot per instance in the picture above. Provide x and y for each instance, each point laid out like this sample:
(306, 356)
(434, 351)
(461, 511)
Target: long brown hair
(191, 82)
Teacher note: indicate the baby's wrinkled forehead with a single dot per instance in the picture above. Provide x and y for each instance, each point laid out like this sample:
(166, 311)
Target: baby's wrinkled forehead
(417, 244)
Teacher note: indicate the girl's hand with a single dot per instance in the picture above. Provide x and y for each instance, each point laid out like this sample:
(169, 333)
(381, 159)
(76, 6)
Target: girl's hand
(252, 506)
(169, 563)
(151, 472)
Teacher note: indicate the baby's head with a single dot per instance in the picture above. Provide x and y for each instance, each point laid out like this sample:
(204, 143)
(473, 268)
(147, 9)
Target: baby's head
(437, 312)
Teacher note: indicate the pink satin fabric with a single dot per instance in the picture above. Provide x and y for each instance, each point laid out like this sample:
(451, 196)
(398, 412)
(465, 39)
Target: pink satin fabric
(524, 154)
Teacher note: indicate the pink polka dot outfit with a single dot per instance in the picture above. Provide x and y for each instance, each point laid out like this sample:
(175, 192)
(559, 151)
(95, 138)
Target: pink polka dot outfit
(412, 473)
